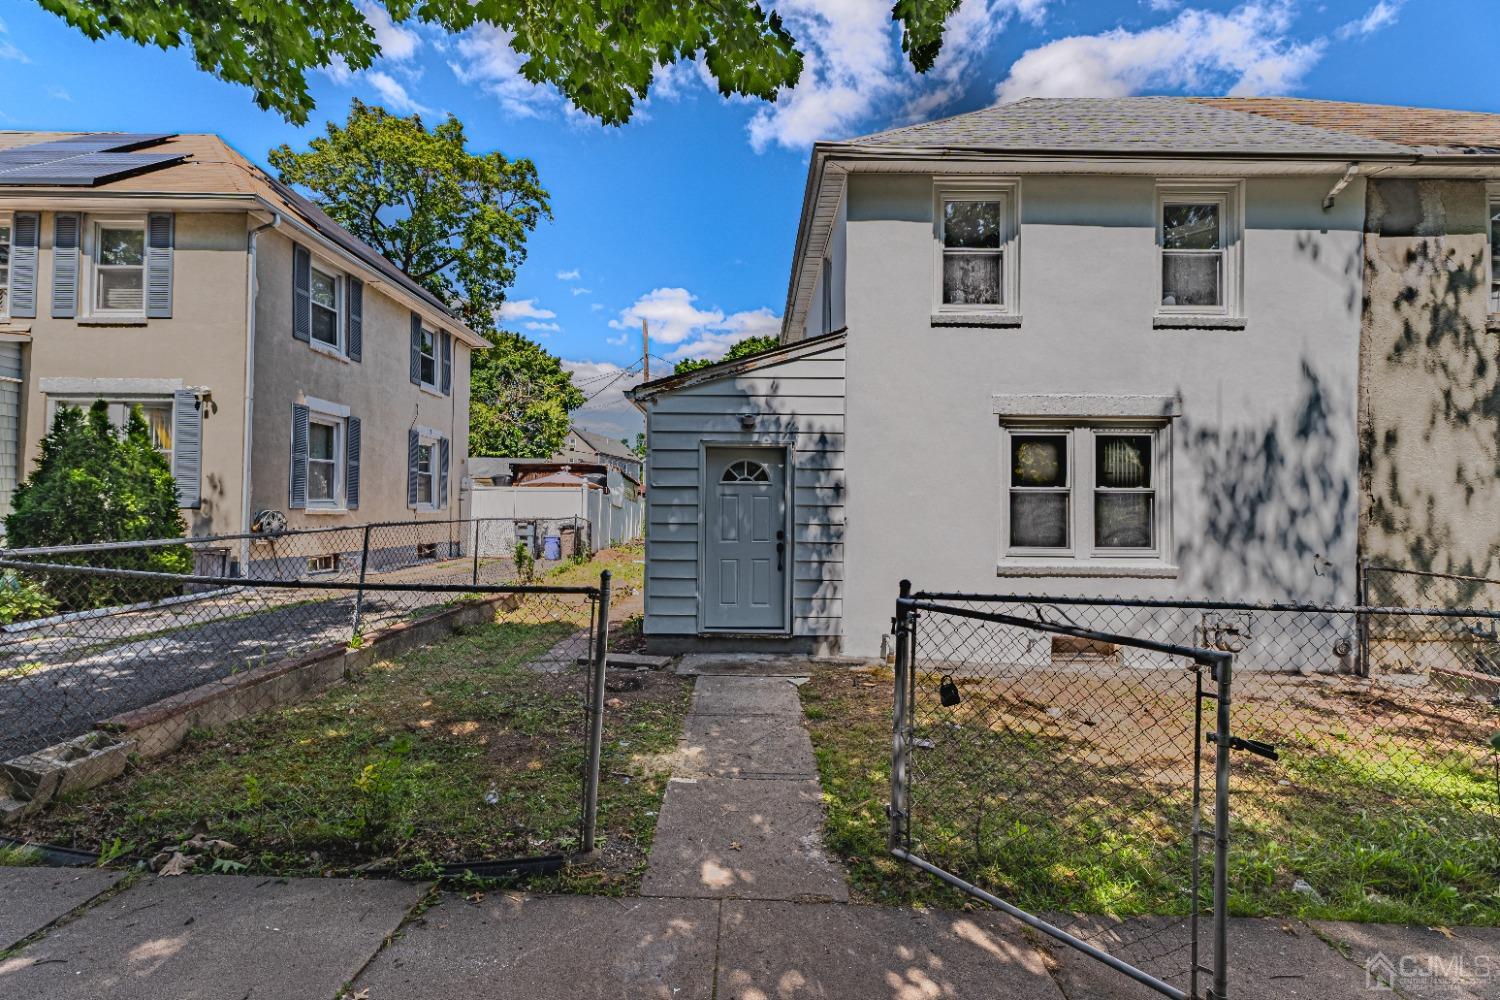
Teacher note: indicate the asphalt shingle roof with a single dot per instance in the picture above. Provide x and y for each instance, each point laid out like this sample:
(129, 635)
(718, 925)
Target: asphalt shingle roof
(1164, 124)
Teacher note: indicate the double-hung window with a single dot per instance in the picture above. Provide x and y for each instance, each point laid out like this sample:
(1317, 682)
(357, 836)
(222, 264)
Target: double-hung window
(426, 474)
(1198, 243)
(976, 250)
(4, 265)
(120, 267)
(1085, 491)
(429, 363)
(324, 460)
(323, 289)
(156, 410)
(1494, 213)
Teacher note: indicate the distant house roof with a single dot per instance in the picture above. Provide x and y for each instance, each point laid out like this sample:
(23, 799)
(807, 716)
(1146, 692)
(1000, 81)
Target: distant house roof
(203, 166)
(606, 445)
(558, 479)
(1241, 126)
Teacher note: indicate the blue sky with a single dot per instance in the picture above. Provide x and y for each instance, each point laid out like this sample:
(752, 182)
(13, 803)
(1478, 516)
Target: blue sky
(687, 215)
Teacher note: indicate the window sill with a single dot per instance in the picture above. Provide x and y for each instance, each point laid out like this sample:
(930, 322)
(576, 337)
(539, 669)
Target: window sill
(14, 331)
(1176, 322)
(1088, 568)
(328, 351)
(112, 321)
(431, 390)
(998, 320)
(325, 510)
(1491, 323)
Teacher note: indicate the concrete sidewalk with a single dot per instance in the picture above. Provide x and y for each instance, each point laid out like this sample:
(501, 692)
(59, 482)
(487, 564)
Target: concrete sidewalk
(739, 903)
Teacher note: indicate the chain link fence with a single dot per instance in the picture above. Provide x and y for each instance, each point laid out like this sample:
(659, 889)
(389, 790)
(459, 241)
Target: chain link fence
(1056, 768)
(385, 696)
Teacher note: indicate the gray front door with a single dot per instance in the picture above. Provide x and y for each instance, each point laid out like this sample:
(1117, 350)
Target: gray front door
(744, 566)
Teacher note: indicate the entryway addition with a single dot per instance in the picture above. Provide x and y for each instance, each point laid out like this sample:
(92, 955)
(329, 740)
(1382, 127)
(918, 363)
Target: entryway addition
(747, 550)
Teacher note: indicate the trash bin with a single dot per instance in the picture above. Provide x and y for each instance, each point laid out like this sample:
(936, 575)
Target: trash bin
(552, 548)
(570, 541)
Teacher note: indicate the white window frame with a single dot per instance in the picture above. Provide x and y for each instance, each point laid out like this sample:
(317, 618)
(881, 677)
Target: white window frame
(323, 419)
(8, 220)
(436, 359)
(431, 444)
(1081, 554)
(1492, 266)
(1229, 196)
(1008, 193)
(340, 321)
(142, 400)
(96, 223)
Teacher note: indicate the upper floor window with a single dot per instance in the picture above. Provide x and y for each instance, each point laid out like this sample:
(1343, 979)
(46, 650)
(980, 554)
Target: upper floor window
(4, 267)
(120, 267)
(976, 248)
(429, 364)
(1198, 245)
(323, 290)
(1495, 252)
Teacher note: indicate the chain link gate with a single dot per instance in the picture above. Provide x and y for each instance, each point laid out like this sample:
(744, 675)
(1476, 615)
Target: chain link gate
(1047, 768)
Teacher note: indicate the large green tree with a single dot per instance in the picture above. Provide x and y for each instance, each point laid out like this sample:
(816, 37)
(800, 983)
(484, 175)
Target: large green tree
(519, 399)
(601, 54)
(740, 349)
(454, 221)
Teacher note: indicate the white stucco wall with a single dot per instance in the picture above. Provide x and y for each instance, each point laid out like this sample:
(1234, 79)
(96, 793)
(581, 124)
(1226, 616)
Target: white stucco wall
(1264, 456)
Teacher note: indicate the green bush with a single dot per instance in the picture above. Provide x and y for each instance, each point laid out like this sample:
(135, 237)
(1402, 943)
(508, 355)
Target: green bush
(22, 600)
(93, 483)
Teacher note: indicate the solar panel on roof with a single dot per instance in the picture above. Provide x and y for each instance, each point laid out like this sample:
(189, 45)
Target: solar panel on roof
(83, 161)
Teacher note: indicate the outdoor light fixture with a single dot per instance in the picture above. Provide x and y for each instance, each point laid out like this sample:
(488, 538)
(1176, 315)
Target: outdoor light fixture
(747, 421)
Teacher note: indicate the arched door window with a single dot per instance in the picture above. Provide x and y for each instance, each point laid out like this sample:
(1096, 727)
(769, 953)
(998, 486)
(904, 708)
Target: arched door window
(746, 471)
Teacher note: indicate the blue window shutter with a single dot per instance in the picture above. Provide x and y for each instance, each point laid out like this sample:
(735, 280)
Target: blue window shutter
(412, 441)
(24, 238)
(65, 265)
(351, 463)
(301, 293)
(160, 237)
(416, 349)
(447, 363)
(355, 307)
(187, 448)
(442, 471)
(298, 497)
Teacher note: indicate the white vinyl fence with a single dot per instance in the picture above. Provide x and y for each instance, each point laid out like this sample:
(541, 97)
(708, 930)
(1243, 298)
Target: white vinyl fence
(533, 513)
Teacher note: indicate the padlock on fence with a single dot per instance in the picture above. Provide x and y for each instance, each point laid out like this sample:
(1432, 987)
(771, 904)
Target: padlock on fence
(948, 691)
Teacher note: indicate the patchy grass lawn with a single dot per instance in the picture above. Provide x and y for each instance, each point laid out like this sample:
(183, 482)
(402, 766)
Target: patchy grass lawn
(626, 565)
(455, 752)
(1051, 816)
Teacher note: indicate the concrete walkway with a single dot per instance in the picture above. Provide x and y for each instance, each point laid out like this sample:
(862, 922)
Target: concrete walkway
(739, 903)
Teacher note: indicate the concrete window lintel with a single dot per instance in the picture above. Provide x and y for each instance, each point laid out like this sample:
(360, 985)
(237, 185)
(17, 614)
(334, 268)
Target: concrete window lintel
(1080, 405)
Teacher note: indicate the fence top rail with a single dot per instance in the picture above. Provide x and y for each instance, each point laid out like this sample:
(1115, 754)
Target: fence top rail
(1201, 605)
(1208, 657)
(1430, 574)
(251, 583)
(255, 536)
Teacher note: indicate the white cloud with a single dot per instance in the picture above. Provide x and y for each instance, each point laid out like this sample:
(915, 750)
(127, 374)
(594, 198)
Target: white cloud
(596, 306)
(396, 43)
(607, 410)
(1162, 6)
(542, 327)
(854, 73)
(486, 60)
(59, 94)
(1246, 51)
(691, 332)
(1382, 15)
(394, 94)
(569, 275)
(7, 49)
(580, 290)
(524, 309)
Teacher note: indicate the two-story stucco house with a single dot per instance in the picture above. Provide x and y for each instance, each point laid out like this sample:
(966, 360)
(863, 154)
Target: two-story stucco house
(282, 364)
(1160, 347)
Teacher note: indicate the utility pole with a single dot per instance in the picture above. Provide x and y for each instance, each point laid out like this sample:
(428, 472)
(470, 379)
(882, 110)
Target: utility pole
(645, 351)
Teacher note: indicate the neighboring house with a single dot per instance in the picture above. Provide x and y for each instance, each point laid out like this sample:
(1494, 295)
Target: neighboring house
(590, 446)
(1147, 347)
(282, 364)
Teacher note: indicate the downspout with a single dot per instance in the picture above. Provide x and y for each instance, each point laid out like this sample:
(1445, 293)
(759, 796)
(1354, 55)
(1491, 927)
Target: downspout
(252, 289)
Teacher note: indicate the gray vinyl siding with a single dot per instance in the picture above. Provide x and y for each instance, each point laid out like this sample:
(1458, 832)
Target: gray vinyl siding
(800, 402)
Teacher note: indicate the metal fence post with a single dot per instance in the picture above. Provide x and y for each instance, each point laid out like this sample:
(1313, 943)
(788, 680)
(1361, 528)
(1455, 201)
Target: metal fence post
(1362, 617)
(1223, 743)
(596, 717)
(901, 628)
(476, 552)
(359, 592)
